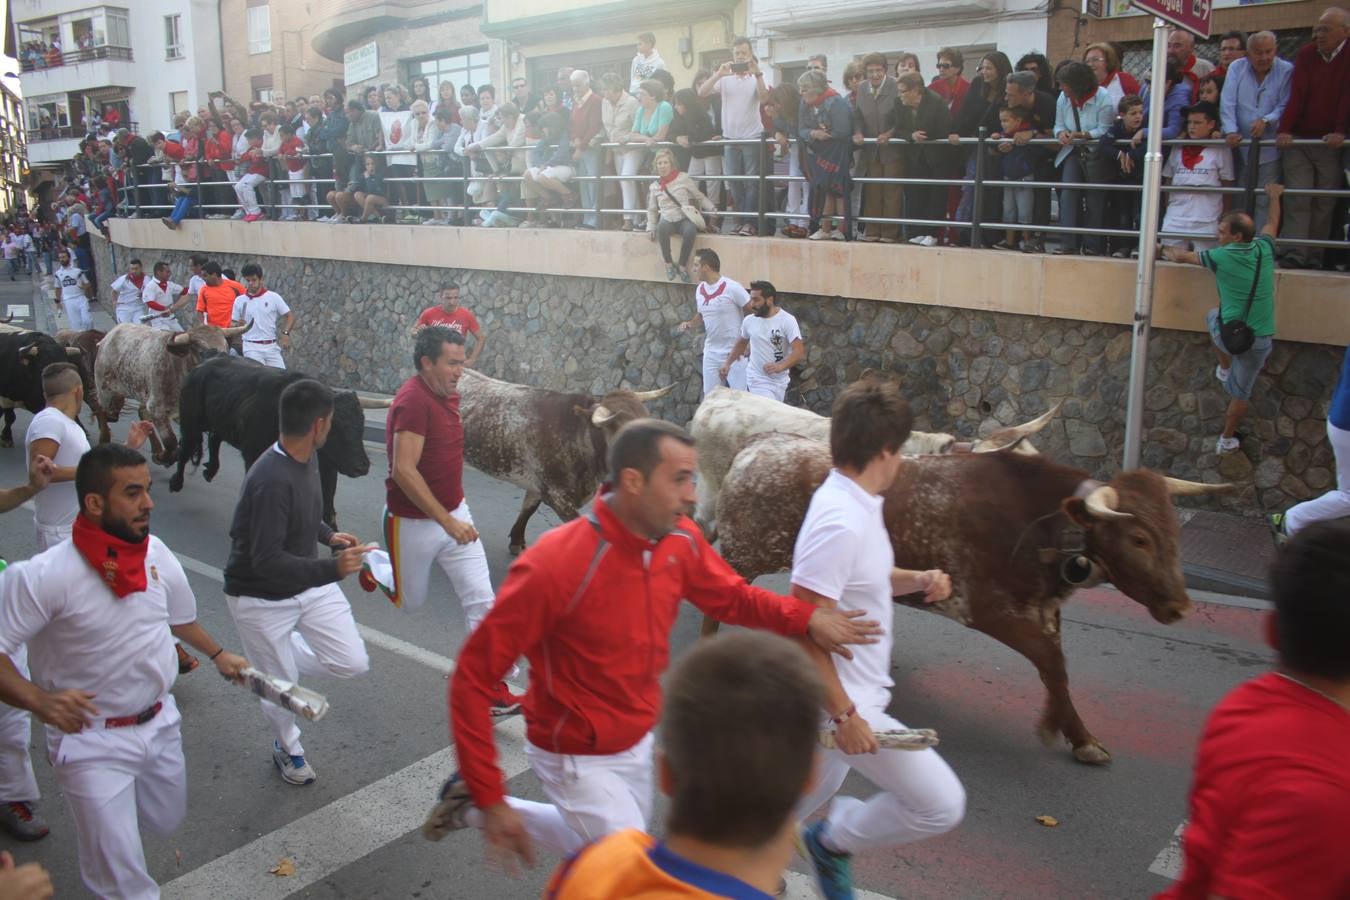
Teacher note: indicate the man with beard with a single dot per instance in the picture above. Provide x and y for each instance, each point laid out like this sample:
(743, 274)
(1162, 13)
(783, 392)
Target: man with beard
(774, 340)
(99, 611)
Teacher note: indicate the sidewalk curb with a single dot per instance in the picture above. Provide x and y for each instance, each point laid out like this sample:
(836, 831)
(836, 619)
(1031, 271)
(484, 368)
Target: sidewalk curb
(1204, 578)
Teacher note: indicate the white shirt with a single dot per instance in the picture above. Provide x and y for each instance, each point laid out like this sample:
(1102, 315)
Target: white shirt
(740, 105)
(11, 248)
(843, 552)
(81, 636)
(70, 280)
(720, 304)
(643, 68)
(25, 242)
(158, 299)
(1214, 167)
(128, 294)
(56, 504)
(770, 341)
(195, 284)
(264, 311)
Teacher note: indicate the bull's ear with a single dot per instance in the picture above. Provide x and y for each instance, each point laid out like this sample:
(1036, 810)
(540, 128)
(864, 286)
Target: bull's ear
(177, 349)
(1076, 509)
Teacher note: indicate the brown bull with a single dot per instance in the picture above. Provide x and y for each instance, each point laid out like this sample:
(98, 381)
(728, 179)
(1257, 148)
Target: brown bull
(86, 342)
(1018, 534)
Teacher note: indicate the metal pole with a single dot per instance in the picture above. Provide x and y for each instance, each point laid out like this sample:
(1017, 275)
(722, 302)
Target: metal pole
(764, 156)
(1249, 176)
(1148, 251)
(977, 199)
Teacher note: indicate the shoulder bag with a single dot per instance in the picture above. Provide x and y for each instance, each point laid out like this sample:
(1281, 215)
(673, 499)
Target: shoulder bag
(1237, 336)
(691, 212)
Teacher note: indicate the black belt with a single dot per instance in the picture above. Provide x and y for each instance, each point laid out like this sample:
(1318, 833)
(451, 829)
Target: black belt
(247, 341)
(139, 718)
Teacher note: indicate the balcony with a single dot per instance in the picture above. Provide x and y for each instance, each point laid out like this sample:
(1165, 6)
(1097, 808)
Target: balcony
(53, 152)
(343, 23)
(80, 71)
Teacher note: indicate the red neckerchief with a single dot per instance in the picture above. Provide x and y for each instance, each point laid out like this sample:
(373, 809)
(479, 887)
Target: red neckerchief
(825, 95)
(120, 564)
(1080, 103)
(137, 280)
(666, 179)
(1193, 78)
(1191, 154)
(164, 288)
(259, 294)
(707, 297)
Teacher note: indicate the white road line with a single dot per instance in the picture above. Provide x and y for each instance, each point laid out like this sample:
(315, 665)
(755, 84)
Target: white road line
(340, 833)
(1168, 862)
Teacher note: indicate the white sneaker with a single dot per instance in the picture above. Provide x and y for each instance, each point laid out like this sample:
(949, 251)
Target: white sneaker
(836, 235)
(926, 241)
(868, 237)
(1227, 445)
(238, 214)
(1221, 373)
(294, 769)
(819, 235)
(917, 241)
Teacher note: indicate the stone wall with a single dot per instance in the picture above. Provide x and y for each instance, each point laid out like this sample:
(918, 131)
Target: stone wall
(965, 371)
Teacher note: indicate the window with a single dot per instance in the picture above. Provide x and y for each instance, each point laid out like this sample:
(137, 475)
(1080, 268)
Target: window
(259, 28)
(178, 101)
(173, 45)
(468, 67)
(261, 87)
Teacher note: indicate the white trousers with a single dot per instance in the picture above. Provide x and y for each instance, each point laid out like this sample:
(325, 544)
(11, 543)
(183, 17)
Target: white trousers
(1334, 504)
(797, 197)
(17, 782)
(131, 314)
(246, 190)
(267, 354)
(592, 796)
(628, 163)
(77, 310)
(414, 544)
(709, 165)
(116, 780)
(712, 370)
(312, 633)
(763, 387)
(920, 795)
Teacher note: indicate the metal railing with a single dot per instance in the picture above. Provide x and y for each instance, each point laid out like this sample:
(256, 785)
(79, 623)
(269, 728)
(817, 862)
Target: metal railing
(67, 132)
(134, 194)
(52, 60)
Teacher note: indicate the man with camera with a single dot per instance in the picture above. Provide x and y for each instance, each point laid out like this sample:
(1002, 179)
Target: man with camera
(1243, 325)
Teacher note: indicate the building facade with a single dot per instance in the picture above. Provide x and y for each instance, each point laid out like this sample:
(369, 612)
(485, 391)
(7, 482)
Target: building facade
(132, 66)
(13, 151)
(268, 50)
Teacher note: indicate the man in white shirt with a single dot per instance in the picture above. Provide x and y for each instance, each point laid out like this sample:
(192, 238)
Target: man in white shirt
(13, 255)
(743, 87)
(55, 434)
(163, 299)
(103, 668)
(774, 340)
(645, 61)
(72, 291)
(195, 263)
(719, 303)
(127, 289)
(265, 309)
(844, 559)
(25, 242)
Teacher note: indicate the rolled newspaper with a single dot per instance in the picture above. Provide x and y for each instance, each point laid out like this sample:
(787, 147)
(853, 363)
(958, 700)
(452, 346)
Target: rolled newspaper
(157, 315)
(286, 694)
(899, 739)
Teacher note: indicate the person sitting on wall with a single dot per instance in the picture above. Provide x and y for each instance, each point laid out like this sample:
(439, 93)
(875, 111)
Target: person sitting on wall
(550, 168)
(667, 199)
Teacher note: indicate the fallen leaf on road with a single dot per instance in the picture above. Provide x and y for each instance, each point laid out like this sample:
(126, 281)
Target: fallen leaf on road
(1048, 821)
(178, 856)
(284, 867)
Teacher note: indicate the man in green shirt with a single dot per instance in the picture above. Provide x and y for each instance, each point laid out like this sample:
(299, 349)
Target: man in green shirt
(1244, 268)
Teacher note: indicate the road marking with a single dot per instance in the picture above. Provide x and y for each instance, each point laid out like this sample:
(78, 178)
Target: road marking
(1168, 862)
(340, 833)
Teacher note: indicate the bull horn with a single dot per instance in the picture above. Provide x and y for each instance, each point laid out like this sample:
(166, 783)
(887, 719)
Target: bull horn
(374, 402)
(657, 394)
(180, 338)
(31, 351)
(602, 416)
(1027, 429)
(1176, 487)
(237, 330)
(1101, 503)
(73, 352)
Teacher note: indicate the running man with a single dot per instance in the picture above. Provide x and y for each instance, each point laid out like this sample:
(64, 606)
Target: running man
(271, 318)
(217, 295)
(843, 557)
(100, 612)
(73, 290)
(426, 517)
(163, 299)
(774, 341)
(591, 605)
(291, 615)
(719, 303)
(127, 289)
(450, 313)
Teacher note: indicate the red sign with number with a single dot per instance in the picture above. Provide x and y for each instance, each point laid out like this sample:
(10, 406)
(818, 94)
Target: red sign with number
(1192, 15)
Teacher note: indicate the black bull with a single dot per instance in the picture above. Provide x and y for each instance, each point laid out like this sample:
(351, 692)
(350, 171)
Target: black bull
(235, 401)
(23, 356)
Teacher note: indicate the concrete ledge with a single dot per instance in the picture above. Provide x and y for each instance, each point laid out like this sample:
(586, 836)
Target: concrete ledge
(1310, 304)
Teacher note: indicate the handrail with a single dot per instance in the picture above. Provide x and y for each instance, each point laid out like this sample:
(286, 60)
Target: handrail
(75, 57)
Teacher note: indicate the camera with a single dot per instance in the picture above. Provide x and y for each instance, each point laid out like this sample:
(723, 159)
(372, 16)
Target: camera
(740, 67)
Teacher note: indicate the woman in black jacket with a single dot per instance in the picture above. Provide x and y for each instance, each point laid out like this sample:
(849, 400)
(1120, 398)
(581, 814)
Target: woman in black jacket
(980, 110)
(924, 120)
(691, 129)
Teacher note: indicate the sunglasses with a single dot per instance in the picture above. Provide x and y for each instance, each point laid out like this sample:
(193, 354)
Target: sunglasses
(946, 66)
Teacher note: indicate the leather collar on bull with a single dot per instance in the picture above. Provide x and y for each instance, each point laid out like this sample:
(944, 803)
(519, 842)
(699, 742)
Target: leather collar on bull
(1067, 544)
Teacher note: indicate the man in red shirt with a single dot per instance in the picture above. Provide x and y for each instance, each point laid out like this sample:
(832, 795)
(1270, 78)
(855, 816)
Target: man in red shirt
(587, 127)
(449, 314)
(1318, 108)
(1270, 806)
(215, 298)
(426, 518)
(591, 605)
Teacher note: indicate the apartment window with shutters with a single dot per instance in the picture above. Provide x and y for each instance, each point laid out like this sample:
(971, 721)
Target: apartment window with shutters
(173, 45)
(259, 27)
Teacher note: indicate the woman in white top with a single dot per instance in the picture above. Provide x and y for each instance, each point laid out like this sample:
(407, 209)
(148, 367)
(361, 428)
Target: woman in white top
(667, 199)
(511, 133)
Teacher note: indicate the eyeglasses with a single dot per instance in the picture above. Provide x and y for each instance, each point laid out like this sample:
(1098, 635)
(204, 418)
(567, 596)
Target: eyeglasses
(946, 65)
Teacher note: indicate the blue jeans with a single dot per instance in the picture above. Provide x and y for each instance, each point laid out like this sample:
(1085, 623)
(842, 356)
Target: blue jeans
(1071, 203)
(743, 159)
(1266, 172)
(181, 207)
(590, 164)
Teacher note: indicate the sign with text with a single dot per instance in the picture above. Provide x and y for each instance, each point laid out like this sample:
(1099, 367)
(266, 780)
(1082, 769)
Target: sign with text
(1192, 15)
(360, 63)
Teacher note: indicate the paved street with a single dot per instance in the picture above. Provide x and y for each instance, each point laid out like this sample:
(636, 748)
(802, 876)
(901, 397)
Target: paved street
(1143, 688)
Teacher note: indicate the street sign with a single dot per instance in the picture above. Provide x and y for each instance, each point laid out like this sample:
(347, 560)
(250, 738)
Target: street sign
(1192, 15)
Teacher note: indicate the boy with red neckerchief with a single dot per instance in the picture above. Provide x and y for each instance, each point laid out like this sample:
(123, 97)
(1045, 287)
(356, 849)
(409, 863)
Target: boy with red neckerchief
(1198, 165)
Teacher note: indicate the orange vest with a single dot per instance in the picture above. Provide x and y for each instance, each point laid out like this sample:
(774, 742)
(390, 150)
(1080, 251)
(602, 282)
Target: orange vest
(631, 865)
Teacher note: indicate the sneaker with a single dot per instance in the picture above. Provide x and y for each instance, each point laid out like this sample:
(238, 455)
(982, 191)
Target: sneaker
(833, 870)
(1227, 445)
(1276, 521)
(238, 214)
(1221, 373)
(504, 703)
(868, 238)
(20, 820)
(294, 769)
(819, 235)
(453, 803)
(169, 223)
(926, 241)
(671, 272)
(254, 217)
(837, 235)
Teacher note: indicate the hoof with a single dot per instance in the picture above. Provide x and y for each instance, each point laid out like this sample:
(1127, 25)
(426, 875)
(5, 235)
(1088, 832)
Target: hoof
(1093, 754)
(516, 549)
(175, 484)
(210, 472)
(1048, 734)
(6, 442)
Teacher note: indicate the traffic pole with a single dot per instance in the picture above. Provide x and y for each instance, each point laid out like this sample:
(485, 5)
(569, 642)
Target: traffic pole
(1149, 210)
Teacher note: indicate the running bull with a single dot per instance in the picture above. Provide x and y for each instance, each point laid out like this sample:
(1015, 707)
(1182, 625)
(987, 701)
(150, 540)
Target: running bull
(1018, 534)
(235, 400)
(550, 444)
(23, 356)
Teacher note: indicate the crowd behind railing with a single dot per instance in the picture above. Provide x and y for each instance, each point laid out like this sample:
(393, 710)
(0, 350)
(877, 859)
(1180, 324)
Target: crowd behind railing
(1023, 158)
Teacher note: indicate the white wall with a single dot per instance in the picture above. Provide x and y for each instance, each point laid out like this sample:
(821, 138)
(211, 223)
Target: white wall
(198, 72)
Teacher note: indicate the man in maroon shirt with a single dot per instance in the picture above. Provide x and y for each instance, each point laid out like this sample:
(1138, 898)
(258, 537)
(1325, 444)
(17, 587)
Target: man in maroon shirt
(426, 518)
(587, 127)
(1318, 108)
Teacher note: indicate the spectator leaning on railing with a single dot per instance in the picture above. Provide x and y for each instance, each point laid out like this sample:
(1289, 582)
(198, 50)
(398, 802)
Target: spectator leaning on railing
(1083, 113)
(824, 126)
(1232, 47)
(1104, 61)
(616, 115)
(742, 87)
(1118, 146)
(1181, 50)
(1037, 109)
(1255, 93)
(1197, 165)
(924, 121)
(586, 127)
(875, 117)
